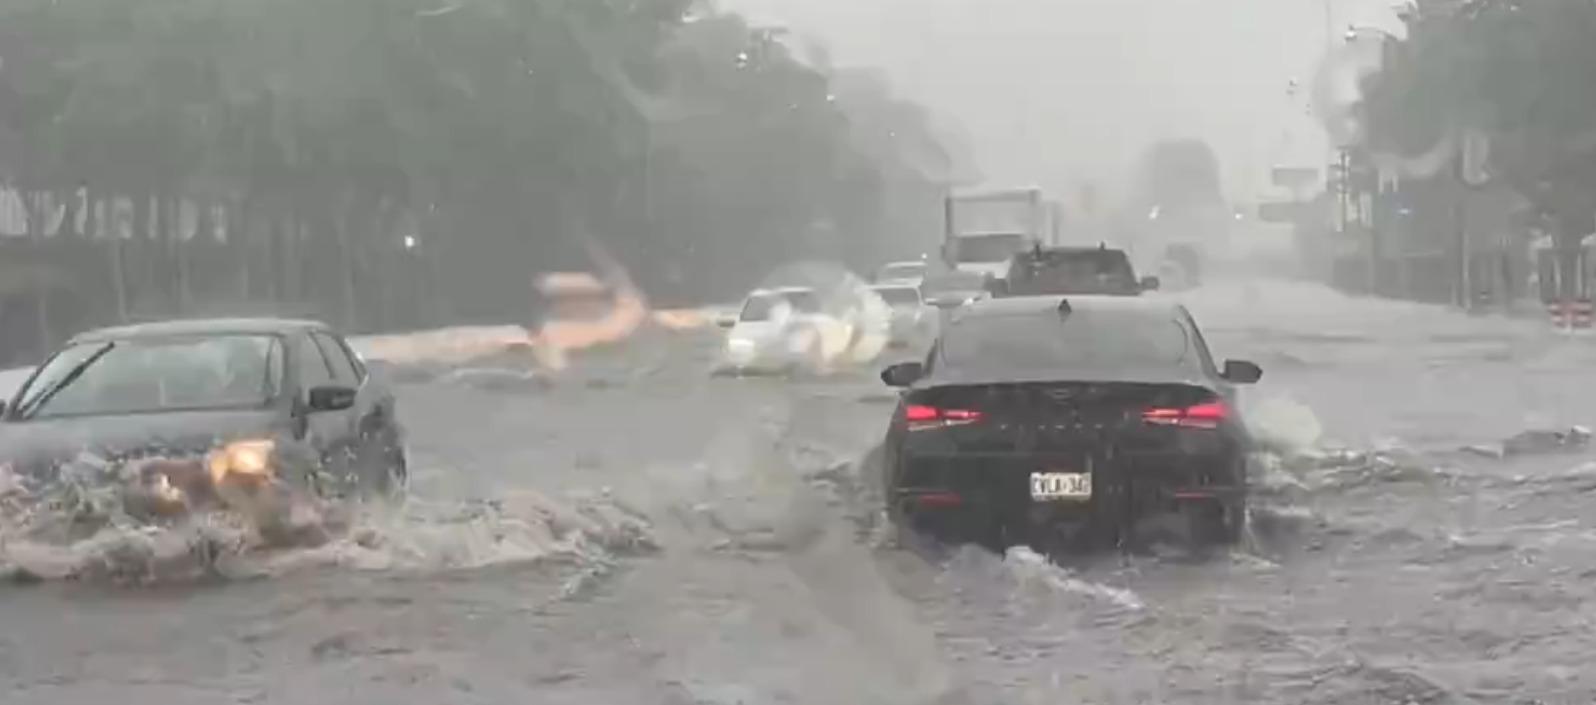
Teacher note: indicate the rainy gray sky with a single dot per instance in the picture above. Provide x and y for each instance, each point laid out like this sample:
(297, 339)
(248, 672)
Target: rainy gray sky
(1057, 92)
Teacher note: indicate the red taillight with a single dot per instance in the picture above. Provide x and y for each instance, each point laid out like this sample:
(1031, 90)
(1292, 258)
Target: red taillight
(939, 499)
(1207, 415)
(922, 417)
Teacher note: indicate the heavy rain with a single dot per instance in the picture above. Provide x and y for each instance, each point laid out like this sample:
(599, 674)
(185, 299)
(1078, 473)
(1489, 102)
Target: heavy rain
(566, 326)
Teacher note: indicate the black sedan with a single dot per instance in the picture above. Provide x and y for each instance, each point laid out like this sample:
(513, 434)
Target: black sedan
(1059, 422)
(189, 412)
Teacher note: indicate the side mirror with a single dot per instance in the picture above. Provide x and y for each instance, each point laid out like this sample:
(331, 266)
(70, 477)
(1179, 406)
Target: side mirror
(945, 302)
(725, 321)
(1151, 283)
(1242, 372)
(903, 374)
(331, 398)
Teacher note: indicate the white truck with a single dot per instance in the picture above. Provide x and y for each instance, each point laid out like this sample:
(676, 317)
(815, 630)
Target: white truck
(983, 230)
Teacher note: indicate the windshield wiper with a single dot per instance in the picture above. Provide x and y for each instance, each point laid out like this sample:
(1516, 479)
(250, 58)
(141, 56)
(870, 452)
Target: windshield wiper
(33, 406)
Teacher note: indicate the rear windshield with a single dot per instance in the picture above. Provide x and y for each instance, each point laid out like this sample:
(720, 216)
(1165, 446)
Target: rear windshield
(1095, 340)
(901, 271)
(763, 306)
(899, 295)
(1102, 271)
(955, 281)
(803, 301)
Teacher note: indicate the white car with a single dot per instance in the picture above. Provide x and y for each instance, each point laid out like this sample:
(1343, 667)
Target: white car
(782, 330)
(910, 318)
(911, 272)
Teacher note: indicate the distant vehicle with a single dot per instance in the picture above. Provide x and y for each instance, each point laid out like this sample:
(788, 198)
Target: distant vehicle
(983, 230)
(989, 255)
(1053, 421)
(911, 319)
(232, 408)
(909, 271)
(780, 330)
(1061, 271)
(952, 289)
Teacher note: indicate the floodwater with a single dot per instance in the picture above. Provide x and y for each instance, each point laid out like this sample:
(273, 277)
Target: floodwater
(639, 532)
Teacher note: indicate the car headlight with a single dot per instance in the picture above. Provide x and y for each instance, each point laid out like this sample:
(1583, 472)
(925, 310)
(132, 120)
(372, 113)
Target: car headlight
(740, 345)
(252, 458)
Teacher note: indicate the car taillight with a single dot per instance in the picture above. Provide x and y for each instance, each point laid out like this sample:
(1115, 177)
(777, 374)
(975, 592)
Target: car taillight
(1205, 415)
(921, 417)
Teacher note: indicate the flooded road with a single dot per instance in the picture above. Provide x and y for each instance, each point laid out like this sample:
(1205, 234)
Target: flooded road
(643, 533)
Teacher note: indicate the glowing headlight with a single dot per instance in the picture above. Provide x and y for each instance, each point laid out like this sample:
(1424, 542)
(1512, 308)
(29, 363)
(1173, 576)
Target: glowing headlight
(249, 458)
(740, 345)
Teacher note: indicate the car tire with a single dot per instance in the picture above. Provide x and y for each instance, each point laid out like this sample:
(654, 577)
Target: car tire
(1232, 527)
(384, 468)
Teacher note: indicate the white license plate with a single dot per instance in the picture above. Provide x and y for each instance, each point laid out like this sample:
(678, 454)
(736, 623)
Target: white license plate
(1047, 486)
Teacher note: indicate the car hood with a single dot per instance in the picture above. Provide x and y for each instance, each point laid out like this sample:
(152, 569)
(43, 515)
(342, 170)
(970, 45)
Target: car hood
(35, 447)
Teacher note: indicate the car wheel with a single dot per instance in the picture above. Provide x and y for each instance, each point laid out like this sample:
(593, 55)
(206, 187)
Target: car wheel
(384, 470)
(815, 358)
(1233, 524)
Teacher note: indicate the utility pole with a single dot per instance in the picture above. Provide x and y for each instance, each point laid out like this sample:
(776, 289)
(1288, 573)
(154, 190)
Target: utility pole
(1465, 296)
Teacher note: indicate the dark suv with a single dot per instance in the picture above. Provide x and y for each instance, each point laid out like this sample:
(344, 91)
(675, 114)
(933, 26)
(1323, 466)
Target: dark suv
(1060, 271)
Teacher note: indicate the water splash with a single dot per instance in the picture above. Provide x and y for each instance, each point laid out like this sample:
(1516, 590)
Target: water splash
(80, 529)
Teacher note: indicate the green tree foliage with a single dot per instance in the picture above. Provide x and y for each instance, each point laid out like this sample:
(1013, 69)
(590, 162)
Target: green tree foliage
(1178, 175)
(502, 132)
(1518, 71)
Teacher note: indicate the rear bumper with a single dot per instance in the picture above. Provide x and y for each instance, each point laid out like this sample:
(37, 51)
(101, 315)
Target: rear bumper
(977, 495)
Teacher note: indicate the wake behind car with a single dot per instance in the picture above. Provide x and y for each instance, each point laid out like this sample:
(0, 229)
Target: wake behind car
(1049, 421)
(195, 412)
(1064, 271)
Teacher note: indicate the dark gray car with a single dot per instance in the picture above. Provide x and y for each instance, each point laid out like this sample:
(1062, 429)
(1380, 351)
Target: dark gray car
(1048, 421)
(257, 400)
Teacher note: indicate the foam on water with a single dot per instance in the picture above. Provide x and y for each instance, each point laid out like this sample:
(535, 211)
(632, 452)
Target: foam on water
(75, 532)
(1028, 566)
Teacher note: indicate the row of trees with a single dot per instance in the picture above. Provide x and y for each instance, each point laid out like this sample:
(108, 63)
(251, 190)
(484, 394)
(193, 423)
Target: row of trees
(486, 139)
(1511, 79)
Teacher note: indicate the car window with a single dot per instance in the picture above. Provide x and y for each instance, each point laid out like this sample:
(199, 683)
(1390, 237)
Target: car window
(1204, 354)
(313, 368)
(343, 369)
(354, 358)
(1098, 271)
(901, 271)
(899, 295)
(1082, 340)
(955, 281)
(760, 308)
(804, 301)
(139, 375)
